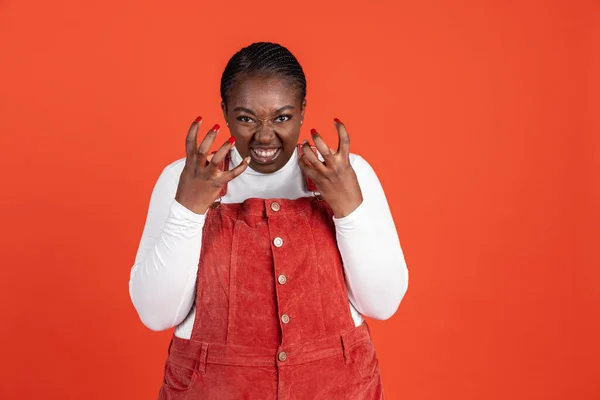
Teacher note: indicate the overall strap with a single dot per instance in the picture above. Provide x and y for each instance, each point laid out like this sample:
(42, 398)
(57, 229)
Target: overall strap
(224, 166)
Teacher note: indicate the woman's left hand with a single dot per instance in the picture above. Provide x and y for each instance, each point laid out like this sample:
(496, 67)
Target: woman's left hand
(335, 178)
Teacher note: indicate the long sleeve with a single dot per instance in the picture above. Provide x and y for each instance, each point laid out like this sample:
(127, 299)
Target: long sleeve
(376, 272)
(163, 279)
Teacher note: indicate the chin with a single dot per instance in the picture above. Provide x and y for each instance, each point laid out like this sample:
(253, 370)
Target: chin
(266, 168)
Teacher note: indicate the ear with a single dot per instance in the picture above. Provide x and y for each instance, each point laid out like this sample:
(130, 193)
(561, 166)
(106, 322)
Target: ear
(224, 109)
(303, 108)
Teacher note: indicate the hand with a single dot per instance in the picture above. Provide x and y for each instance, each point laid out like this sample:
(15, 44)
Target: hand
(201, 180)
(335, 178)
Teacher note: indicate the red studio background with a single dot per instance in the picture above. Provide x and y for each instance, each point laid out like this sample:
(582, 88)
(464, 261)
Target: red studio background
(481, 119)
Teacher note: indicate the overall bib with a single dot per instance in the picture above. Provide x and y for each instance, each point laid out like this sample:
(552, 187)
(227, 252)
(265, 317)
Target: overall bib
(272, 313)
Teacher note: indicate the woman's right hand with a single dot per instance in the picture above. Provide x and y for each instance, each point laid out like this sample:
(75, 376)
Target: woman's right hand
(201, 180)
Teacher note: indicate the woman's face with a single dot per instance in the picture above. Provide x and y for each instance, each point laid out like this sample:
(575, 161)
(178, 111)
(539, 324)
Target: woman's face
(264, 116)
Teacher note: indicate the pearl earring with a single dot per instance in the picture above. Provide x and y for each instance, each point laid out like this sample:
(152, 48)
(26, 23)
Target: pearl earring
(301, 122)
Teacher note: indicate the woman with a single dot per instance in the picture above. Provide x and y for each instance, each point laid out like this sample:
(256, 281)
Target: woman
(266, 255)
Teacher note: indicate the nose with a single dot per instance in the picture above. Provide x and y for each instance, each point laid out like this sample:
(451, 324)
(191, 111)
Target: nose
(265, 134)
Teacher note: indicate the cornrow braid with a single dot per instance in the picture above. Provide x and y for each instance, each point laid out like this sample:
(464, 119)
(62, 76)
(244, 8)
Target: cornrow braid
(263, 58)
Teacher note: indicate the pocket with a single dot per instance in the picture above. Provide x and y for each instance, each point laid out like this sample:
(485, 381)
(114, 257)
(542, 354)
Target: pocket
(178, 377)
(364, 359)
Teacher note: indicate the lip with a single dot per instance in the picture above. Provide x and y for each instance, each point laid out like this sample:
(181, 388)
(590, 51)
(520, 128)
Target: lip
(263, 160)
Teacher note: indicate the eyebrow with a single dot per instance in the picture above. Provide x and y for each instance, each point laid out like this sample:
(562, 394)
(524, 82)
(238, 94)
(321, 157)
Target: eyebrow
(249, 111)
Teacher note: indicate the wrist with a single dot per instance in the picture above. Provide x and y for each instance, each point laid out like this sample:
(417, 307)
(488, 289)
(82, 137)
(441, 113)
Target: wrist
(355, 220)
(196, 208)
(181, 212)
(346, 207)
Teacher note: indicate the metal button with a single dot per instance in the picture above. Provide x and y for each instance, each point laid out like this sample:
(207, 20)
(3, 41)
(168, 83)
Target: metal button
(285, 319)
(282, 279)
(278, 242)
(282, 356)
(275, 206)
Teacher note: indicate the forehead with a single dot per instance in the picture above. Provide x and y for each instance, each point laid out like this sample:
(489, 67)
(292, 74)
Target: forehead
(262, 93)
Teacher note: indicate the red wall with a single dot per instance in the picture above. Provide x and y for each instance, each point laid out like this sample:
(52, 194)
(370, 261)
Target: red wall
(481, 119)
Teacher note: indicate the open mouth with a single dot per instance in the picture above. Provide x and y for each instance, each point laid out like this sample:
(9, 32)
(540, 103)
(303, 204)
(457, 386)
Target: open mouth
(264, 156)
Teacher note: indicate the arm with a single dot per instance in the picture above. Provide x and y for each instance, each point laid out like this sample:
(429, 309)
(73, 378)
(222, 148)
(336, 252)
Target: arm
(163, 278)
(376, 273)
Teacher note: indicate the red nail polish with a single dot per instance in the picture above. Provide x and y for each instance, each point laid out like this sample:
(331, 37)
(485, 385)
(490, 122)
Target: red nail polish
(216, 127)
(337, 120)
(231, 140)
(198, 119)
(313, 132)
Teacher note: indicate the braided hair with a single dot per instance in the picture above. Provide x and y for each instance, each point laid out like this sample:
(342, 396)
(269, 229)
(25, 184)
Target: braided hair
(263, 58)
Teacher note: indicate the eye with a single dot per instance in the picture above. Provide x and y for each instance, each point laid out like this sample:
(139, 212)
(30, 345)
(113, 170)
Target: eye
(245, 119)
(283, 118)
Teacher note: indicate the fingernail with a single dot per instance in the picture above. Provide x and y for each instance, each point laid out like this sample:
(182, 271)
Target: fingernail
(313, 132)
(198, 119)
(337, 120)
(216, 128)
(304, 142)
(248, 159)
(231, 140)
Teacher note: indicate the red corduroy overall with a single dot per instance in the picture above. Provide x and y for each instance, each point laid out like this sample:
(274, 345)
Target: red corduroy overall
(272, 313)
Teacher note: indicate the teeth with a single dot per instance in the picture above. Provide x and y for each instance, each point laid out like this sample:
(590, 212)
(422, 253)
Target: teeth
(265, 153)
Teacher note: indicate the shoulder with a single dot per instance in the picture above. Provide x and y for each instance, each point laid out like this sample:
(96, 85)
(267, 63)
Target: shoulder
(360, 164)
(367, 178)
(171, 172)
(175, 167)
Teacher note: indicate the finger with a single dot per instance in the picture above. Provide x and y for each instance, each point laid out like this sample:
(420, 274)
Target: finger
(343, 139)
(311, 158)
(216, 159)
(307, 169)
(237, 171)
(191, 141)
(324, 150)
(204, 148)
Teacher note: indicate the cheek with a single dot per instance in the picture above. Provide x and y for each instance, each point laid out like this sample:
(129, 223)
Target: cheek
(242, 134)
(290, 132)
